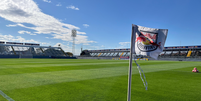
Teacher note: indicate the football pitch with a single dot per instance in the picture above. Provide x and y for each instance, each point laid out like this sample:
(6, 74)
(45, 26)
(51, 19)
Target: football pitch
(97, 80)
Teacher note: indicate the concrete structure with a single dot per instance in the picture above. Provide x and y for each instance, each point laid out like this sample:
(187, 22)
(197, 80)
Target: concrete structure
(29, 50)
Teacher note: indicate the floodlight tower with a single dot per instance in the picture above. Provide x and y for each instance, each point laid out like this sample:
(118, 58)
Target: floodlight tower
(74, 34)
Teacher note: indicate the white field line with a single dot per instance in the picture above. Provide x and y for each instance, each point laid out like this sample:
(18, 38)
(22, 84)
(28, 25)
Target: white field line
(6, 96)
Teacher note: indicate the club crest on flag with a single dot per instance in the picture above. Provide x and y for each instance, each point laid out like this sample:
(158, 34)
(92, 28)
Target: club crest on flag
(147, 41)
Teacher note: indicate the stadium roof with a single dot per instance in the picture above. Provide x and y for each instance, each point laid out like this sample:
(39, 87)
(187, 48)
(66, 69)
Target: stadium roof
(27, 45)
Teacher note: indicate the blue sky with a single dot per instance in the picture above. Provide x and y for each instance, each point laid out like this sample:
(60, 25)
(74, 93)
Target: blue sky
(101, 24)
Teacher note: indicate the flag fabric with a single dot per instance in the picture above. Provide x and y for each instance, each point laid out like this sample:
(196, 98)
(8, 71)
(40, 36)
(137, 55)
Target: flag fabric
(148, 41)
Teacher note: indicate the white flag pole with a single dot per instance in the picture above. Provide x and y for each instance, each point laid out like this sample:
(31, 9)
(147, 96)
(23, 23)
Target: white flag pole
(130, 65)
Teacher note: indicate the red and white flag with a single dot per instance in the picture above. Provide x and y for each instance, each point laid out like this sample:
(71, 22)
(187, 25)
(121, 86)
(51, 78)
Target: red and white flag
(148, 41)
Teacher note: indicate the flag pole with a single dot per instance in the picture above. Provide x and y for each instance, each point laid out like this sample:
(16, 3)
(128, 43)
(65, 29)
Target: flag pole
(130, 66)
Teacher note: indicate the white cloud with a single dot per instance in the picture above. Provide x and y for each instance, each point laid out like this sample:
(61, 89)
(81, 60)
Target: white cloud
(72, 7)
(8, 38)
(24, 12)
(47, 1)
(23, 32)
(68, 48)
(64, 47)
(85, 25)
(124, 44)
(32, 34)
(78, 39)
(80, 32)
(59, 4)
(92, 48)
(10, 25)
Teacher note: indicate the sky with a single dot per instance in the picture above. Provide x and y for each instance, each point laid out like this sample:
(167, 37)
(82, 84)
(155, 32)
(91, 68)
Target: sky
(100, 24)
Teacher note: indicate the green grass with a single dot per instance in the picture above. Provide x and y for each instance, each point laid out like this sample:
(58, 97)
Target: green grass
(97, 80)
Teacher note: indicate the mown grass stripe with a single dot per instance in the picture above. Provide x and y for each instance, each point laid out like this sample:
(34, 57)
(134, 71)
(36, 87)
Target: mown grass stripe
(84, 64)
(168, 80)
(15, 81)
(47, 65)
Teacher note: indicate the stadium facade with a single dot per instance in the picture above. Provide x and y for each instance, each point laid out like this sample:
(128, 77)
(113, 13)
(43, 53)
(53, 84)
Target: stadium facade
(30, 50)
(179, 52)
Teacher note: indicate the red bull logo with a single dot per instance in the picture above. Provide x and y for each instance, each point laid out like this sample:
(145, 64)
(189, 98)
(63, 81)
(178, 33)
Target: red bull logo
(147, 41)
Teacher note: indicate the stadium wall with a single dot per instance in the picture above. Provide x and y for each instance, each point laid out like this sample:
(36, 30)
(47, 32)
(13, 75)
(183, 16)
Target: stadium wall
(179, 59)
(62, 57)
(110, 58)
(54, 57)
(165, 59)
(9, 56)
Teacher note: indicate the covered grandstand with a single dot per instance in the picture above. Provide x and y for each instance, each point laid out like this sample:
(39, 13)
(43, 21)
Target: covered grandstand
(182, 52)
(30, 50)
(168, 52)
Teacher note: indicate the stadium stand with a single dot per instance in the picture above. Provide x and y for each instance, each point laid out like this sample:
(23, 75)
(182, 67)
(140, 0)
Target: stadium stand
(30, 50)
(168, 52)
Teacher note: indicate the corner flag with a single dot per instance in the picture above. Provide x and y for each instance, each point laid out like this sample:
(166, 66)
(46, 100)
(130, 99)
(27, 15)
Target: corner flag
(148, 42)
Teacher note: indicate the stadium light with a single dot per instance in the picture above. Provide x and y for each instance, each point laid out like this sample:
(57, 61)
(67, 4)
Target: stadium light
(74, 34)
